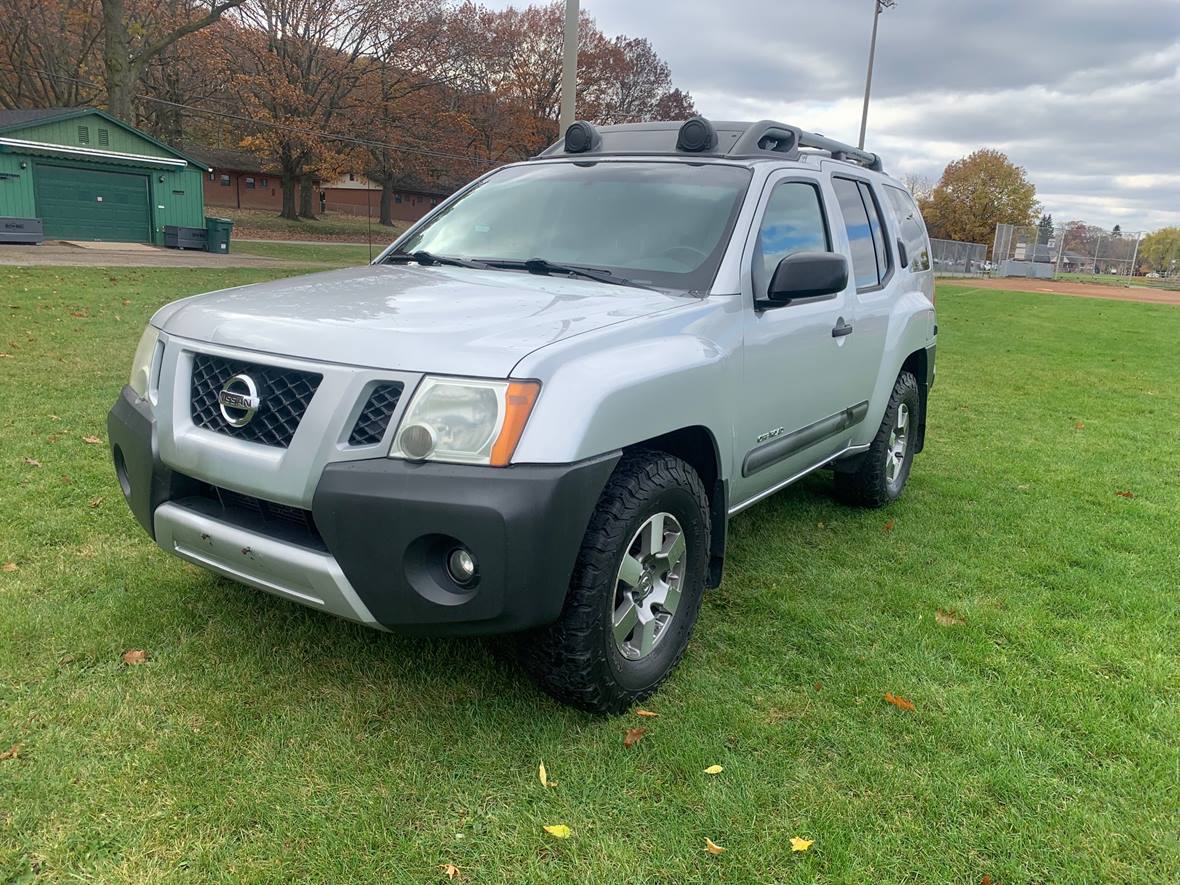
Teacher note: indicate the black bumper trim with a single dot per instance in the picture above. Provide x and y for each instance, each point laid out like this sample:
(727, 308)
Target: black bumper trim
(146, 482)
(390, 524)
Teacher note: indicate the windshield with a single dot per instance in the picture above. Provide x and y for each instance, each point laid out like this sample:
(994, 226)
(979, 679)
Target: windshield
(655, 223)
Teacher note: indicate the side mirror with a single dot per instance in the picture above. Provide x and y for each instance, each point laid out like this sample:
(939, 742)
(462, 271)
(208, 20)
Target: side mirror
(808, 275)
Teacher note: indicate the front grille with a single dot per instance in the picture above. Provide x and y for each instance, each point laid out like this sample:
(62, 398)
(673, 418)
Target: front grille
(284, 393)
(267, 517)
(373, 421)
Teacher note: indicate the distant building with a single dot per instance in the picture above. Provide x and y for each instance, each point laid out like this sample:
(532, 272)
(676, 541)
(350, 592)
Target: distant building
(239, 180)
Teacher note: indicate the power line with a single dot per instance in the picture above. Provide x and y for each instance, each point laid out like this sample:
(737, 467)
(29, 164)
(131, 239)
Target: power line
(360, 142)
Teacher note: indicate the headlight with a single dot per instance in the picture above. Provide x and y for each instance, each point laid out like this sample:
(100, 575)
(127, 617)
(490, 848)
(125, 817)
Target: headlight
(141, 366)
(465, 421)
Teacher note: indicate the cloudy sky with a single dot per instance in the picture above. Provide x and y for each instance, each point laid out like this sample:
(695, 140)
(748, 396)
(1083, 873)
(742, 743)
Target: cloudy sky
(1084, 94)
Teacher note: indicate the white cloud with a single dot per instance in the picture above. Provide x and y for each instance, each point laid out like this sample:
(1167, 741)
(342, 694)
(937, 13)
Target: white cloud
(1084, 94)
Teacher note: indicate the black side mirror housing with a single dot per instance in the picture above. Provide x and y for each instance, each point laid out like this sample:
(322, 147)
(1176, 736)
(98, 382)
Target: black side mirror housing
(808, 275)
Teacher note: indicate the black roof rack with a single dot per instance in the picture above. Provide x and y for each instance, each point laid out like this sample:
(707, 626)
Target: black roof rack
(746, 141)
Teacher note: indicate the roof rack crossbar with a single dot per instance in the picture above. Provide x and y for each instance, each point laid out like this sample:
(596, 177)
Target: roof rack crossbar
(840, 151)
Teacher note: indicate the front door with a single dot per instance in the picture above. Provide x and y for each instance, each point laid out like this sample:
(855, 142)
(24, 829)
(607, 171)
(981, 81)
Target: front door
(799, 401)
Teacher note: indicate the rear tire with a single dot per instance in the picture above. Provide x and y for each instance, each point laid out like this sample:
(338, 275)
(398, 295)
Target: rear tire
(882, 471)
(635, 592)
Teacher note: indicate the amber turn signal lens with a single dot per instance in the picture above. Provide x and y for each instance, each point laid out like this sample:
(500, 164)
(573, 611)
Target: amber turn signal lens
(518, 404)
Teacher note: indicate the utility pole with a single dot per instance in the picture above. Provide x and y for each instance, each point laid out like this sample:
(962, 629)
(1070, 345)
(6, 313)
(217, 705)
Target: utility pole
(569, 67)
(879, 6)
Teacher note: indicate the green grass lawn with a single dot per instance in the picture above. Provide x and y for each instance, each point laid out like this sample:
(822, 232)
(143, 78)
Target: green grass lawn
(266, 224)
(265, 742)
(338, 254)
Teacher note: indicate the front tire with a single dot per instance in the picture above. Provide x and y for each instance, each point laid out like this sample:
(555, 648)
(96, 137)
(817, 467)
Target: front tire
(635, 591)
(881, 473)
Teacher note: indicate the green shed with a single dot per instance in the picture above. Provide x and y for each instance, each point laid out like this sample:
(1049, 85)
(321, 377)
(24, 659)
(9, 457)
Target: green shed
(89, 176)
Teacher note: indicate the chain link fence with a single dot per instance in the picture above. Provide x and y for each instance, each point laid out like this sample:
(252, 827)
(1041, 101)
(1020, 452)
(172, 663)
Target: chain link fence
(1074, 248)
(950, 258)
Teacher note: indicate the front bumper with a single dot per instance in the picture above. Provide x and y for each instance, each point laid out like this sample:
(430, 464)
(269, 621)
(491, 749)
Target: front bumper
(382, 529)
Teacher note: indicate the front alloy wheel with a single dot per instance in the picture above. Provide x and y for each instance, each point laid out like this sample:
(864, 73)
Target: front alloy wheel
(635, 591)
(647, 587)
(898, 437)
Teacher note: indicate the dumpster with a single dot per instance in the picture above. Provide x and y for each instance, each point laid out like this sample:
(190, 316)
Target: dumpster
(176, 237)
(217, 231)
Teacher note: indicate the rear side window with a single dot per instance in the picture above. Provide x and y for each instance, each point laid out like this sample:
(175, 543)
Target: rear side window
(878, 228)
(793, 222)
(860, 233)
(911, 228)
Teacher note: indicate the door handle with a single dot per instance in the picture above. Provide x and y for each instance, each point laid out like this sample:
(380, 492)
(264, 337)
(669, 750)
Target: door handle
(841, 328)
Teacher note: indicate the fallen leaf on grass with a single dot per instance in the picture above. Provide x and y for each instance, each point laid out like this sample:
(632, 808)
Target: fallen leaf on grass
(80, 314)
(899, 702)
(11, 753)
(801, 845)
(1079, 426)
(559, 831)
(714, 769)
(712, 847)
(646, 714)
(92, 440)
(135, 656)
(9, 567)
(32, 462)
(1125, 494)
(96, 502)
(888, 527)
(450, 871)
(988, 880)
(543, 775)
(948, 619)
(819, 686)
(633, 736)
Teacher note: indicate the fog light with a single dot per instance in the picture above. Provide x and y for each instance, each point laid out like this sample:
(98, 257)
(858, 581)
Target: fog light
(461, 566)
(417, 441)
(121, 473)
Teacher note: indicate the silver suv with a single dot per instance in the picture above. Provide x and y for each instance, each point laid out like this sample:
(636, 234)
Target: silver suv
(536, 411)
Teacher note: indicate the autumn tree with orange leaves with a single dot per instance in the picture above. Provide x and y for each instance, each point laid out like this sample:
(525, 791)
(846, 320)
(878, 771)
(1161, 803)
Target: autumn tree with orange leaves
(299, 76)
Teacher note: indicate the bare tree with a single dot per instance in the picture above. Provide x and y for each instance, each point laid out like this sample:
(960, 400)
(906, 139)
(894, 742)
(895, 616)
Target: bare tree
(919, 186)
(47, 48)
(135, 32)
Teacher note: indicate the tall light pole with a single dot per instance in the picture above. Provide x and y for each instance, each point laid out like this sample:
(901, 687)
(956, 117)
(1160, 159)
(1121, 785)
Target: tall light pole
(569, 67)
(879, 6)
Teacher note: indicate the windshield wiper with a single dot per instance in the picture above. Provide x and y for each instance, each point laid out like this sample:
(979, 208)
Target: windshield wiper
(426, 259)
(545, 268)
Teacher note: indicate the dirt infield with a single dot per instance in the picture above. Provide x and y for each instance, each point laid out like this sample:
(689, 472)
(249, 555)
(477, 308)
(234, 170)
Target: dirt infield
(1062, 287)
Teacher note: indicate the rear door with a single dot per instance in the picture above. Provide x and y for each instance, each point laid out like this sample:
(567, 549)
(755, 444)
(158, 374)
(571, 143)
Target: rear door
(874, 271)
(76, 203)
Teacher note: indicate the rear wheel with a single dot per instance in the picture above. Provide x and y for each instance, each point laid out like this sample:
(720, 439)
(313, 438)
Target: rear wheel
(882, 471)
(635, 592)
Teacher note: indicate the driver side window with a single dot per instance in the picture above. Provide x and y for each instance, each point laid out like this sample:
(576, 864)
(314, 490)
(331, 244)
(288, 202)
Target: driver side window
(793, 222)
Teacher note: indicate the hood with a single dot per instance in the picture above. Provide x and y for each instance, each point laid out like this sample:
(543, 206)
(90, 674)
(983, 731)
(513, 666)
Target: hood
(407, 318)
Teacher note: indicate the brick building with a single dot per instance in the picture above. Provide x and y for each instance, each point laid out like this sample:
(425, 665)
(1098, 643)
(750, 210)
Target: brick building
(238, 180)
